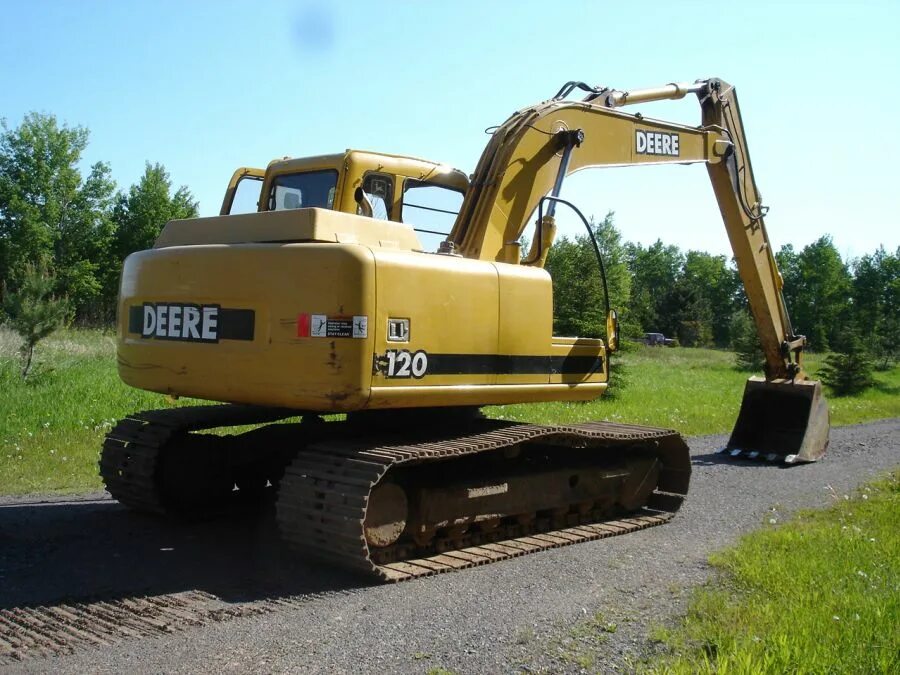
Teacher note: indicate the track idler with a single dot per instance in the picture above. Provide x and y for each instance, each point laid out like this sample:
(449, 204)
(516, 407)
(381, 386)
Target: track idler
(781, 421)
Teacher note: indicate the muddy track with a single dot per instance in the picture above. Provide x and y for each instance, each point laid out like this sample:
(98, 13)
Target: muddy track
(87, 585)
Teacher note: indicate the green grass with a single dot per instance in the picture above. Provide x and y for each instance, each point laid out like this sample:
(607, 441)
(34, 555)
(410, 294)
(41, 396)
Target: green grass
(52, 425)
(820, 594)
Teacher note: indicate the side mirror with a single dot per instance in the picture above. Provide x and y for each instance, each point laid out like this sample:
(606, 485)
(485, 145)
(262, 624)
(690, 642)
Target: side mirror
(612, 331)
(364, 206)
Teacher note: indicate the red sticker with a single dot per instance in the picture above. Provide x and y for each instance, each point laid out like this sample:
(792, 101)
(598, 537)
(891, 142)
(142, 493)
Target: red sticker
(303, 325)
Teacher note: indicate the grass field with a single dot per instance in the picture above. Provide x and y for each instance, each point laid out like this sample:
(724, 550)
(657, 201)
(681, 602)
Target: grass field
(820, 594)
(52, 425)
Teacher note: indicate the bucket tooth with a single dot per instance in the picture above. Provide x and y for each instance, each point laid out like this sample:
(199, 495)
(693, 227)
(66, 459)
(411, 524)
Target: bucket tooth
(781, 421)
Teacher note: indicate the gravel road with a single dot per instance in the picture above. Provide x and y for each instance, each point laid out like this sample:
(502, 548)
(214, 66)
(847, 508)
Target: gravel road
(226, 596)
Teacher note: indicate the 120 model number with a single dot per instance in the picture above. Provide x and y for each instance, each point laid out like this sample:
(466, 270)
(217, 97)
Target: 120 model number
(403, 363)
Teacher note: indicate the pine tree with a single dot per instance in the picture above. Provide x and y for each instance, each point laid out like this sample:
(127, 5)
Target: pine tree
(849, 370)
(748, 352)
(33, 312)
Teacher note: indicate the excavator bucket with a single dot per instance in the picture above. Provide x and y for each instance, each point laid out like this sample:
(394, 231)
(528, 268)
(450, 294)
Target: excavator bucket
(781, 421)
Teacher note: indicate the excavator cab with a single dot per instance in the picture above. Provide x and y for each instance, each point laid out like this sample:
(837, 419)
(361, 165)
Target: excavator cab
(384, 187)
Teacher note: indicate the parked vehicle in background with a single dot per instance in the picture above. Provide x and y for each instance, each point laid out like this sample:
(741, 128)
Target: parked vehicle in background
(659, 340)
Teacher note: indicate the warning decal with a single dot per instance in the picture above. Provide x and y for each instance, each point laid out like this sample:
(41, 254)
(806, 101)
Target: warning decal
(360, 326)
(324, 326)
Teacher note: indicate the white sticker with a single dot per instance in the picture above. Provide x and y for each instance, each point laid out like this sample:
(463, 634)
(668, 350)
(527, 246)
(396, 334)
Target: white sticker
(318, 325)
(360, 326)
(324, 326)
(656, 143)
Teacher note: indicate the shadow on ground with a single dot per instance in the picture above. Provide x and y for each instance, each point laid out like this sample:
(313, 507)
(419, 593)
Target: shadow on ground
(712, 458)
(78, 551)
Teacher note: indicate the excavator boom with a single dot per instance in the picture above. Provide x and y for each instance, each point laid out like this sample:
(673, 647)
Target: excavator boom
(527, 158)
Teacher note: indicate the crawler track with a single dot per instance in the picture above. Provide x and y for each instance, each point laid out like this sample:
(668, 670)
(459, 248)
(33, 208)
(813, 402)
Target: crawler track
(53, 630)
(324, 496)
(133, 451)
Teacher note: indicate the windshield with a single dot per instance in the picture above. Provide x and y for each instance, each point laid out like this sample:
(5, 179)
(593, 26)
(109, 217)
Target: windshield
(303, 190)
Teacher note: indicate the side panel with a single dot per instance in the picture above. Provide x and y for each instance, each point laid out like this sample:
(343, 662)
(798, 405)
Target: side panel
(449, 307)
(579, 361)
(453, 331)
(260, 353)
(526, 318)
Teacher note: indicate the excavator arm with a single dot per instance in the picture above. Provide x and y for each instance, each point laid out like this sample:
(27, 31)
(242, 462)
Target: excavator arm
(743, 212)
(783, 415)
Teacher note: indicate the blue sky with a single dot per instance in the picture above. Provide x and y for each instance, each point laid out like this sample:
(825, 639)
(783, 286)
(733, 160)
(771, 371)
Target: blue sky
(205, 87)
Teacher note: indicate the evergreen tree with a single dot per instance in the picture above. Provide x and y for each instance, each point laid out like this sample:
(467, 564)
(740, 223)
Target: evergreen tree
(578, 302)
(886, 342)
(745, 342)
(654, 272)
(849, 370)
(876, 304)
(717, 296)
(32, 311)
(817, 287)
(686, 314)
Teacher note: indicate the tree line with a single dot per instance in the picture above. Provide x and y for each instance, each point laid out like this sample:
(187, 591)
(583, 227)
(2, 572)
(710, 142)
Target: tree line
(698, 297)
(74, 227)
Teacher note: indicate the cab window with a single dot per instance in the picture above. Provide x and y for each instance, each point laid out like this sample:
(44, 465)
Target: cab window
(431, 209)
(246, 195)
(312, 189)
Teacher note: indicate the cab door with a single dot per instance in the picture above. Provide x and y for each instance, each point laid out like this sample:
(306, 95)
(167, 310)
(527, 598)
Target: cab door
(243, 193)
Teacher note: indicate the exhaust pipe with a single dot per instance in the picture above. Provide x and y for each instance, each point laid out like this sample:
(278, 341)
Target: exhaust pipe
(781, 421)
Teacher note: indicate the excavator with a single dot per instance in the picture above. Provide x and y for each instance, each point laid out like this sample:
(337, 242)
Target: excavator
(350, 364)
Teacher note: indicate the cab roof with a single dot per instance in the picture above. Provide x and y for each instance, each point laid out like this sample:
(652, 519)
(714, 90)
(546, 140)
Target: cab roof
(413, 167)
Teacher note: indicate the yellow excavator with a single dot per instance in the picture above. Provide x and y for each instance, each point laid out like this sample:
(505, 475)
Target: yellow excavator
(313, 295)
